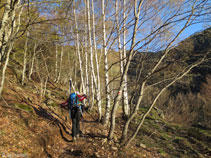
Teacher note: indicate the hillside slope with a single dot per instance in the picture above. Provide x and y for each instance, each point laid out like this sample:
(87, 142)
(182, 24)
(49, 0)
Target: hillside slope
(31, 126)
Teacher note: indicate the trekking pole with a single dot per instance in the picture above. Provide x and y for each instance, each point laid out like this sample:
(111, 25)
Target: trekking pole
(82, 120)
(82, 127)
(70, 85)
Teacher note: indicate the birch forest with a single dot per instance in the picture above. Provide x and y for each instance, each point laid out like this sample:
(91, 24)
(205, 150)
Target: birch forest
(134, 59)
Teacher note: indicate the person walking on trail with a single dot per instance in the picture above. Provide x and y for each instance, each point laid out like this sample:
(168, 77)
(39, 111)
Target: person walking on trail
(76, 108)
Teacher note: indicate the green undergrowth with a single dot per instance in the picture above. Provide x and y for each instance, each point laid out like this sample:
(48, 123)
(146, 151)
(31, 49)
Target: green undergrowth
(173, 140)
(24, 107)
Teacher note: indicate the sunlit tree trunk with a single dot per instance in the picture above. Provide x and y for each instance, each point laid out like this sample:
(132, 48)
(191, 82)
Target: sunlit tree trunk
(94, 80)
(25, 58)
(137, 10)
(5, 22)
(32, 61)
(69, 65)
(98, 94)
(125, 92)
(9, 32)
(60, 67)
(107, 88)
(78, 51)
(56, 64)
(47, 72)
(86, 60)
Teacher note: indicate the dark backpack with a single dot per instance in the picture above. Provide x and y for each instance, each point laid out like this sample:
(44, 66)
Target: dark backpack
(73, 100)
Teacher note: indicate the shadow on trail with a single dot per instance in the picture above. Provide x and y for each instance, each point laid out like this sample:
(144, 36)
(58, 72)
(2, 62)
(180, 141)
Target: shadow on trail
(46, 115)
(62, 128)
(92, 135)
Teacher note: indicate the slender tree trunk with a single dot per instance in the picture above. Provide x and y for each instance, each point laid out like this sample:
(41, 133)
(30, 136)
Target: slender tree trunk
(56, 65)
(60, 67)
(117, 98)
(48, 75)
(32, 61)
(3, 29)
(86, 59)
(92, 90)
(125, 92)
(9, 32)
(91, 62)
(4, 69)
(69, 65)
(99, 103)
(120, 51)
(78, 50)
(25, 58)
(107, 88)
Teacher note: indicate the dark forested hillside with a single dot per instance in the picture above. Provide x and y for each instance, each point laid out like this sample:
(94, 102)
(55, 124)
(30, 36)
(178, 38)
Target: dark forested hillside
(185, 104)
(187, 51)
(186, 101)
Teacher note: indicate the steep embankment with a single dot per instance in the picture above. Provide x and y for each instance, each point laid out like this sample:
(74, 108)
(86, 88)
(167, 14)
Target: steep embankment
(31, 126)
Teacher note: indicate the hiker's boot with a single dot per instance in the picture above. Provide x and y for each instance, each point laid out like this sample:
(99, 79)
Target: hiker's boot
(77, 136)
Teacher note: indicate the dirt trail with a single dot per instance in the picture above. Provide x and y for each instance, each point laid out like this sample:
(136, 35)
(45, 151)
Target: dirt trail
(30, 128)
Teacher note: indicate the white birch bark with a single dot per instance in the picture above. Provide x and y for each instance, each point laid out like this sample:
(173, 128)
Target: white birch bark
(11, 29)
(98, 93)
(3, 34)
(25, 58)
(69, 65)
(4, 70)
(56, 64)
(94, 81)
(60, 66)
(107, 88)
(86, 69)
(125, 91)
(125, 106)
(32, 61)
(47, 77)
(78, 50)
(117, 98)
(86, 60)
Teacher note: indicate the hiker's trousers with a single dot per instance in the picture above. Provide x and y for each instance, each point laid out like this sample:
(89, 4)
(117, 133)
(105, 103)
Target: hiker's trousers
(75, 116)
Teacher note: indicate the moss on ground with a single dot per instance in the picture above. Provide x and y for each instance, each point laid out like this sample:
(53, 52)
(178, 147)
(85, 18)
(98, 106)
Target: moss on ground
(172, 140)
(24, 107)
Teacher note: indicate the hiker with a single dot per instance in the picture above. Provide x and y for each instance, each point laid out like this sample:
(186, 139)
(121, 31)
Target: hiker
(76, 108)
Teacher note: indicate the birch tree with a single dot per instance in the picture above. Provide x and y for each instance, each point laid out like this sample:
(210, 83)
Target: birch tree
(98, 89)
(9, 28)
(25, 58)
(56, 64)
(122, 54)
(125, 91)
(91, 57)
(60, 67)
(137, 9)
(86, 58)
(78, 49)
(107, 88)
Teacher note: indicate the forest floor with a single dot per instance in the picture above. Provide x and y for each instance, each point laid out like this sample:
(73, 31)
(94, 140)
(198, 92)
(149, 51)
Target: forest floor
(35, 127)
